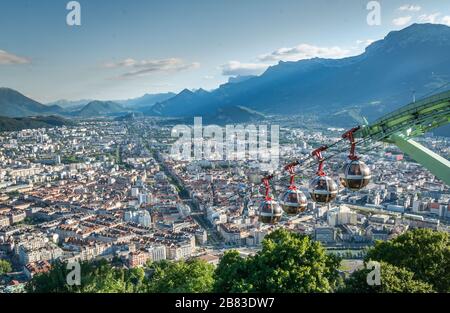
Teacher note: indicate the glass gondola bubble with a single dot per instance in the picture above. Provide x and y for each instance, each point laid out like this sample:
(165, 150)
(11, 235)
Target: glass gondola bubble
(270, 211)
(322, 188)
(293, 201)
(356, 174)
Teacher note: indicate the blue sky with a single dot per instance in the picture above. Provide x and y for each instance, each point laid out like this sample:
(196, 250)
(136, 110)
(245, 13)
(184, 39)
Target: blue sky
(126, 48)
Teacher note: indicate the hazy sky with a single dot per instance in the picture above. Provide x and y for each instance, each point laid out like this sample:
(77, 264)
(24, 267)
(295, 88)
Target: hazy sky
(125, 48)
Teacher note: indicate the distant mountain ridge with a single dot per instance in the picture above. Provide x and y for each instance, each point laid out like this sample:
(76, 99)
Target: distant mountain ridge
(15, 104)
(239, 78)
(371, 84)
(142, 102)
(100, 108)
(146, 101)
(183, 103)
(70, 104)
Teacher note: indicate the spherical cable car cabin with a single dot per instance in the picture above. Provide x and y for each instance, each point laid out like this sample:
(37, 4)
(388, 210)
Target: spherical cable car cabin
(270, 211)
(322, 188)
(293, 201)
(356, 174)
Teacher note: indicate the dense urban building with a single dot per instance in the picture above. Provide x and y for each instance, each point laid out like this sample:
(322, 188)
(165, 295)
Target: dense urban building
(111, 190)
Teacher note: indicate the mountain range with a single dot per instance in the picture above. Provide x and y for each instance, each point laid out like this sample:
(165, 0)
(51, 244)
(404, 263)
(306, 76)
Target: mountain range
(146, 100)
(15, 104)
(100, 108)
(384, 77)
(70, 105)
(143, 102)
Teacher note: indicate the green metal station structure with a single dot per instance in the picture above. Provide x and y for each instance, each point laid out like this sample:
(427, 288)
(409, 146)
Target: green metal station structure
(412, 120)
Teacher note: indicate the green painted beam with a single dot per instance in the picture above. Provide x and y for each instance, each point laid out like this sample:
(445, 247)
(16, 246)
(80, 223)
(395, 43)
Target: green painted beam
(419, 117)
(437, 165)
(414, 120)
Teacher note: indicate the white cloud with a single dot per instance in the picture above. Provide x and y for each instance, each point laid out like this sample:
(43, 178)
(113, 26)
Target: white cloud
(7, 58)
(366, 42)
(124, 63)
(402, 21)
(304, 51)
(300, 52)
(145, 67)
(235, 68)
(410, 7)
(446, 20)
(429, 18)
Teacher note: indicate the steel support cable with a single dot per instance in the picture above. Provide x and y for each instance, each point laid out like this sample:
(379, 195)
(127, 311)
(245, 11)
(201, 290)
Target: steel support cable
(284, 178)
(301, 164)
(434, 91)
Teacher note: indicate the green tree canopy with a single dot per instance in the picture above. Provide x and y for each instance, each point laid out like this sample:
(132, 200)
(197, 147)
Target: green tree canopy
(231, 275)
(100, 277)
(5, 267)
(97, 277)
(393, 280)
(424, 252)
(182, 276)
(288, 262)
